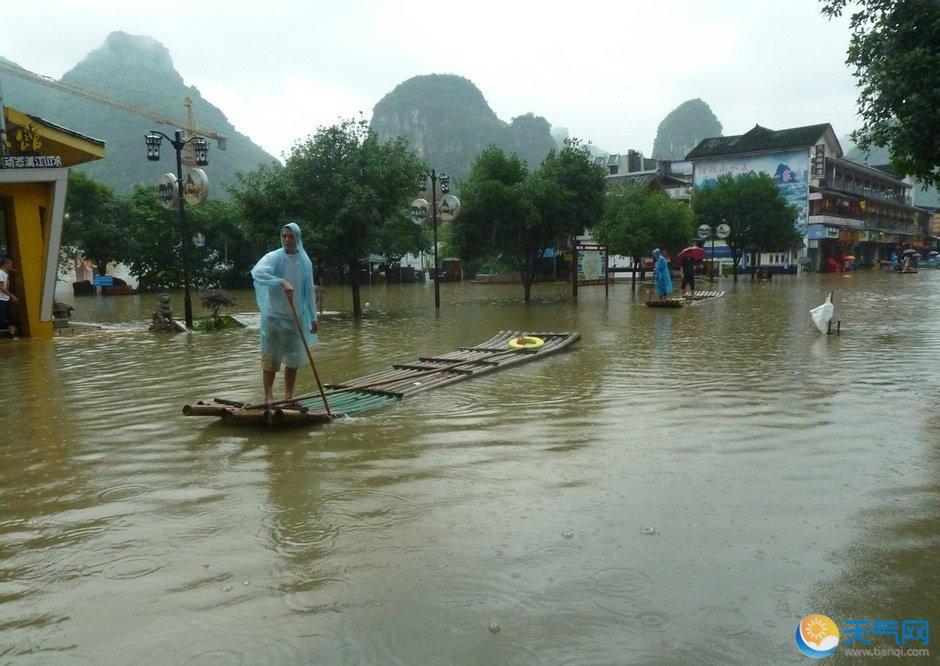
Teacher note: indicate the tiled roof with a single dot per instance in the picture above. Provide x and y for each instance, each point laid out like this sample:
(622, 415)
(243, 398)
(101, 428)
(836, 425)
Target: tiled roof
(759, 139)
(653, 178)
(66, 130)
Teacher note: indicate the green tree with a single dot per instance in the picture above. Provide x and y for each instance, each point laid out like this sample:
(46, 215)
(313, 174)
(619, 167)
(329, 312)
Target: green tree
(158, 260)
(894, 49)
(682, 129)
(513, 215)
(495, 209)
(261, 200)
(351, 193)
(98, 223)
(226, 257)
(637, 219)
(158, 256)
(751, 204)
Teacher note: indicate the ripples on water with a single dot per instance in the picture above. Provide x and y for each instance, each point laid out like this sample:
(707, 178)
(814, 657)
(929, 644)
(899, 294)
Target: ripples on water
(680, 487)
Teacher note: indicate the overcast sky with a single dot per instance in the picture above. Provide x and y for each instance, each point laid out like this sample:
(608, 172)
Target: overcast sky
(607, 71)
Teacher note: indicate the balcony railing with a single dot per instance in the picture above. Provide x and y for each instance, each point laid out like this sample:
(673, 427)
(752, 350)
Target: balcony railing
(875, 222)
(868, 192)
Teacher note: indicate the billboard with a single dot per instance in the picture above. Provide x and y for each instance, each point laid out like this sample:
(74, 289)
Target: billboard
(789, 168)
(591, 265)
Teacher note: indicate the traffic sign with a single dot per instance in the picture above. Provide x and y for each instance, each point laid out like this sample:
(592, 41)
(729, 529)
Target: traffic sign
(722, 231)
(703, 232)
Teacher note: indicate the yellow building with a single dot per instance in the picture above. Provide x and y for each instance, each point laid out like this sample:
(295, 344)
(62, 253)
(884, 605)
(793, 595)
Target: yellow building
(36, 157)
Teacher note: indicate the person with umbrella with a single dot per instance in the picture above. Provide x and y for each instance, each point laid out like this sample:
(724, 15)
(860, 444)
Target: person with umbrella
(688, 258)
(661, 275)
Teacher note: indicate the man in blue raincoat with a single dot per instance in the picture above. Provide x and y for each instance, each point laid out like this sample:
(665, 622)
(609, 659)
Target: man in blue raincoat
(283, 277)
(661, 275)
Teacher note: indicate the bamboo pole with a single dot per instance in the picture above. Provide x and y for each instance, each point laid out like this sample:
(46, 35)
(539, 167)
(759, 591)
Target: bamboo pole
(303, 338)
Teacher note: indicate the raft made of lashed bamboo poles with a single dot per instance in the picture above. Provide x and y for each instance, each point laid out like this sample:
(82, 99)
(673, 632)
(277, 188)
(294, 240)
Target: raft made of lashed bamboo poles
(681, 300)
(378, 389)
(702, 295)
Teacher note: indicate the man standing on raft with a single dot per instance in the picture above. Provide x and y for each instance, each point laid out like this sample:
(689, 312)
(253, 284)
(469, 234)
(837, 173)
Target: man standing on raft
(663, 280)
(282, 277)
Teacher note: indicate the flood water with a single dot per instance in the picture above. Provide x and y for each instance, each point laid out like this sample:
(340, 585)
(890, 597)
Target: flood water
(682, 486)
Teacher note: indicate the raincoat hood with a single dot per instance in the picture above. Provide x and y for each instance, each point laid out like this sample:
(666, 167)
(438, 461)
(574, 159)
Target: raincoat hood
(298, 236)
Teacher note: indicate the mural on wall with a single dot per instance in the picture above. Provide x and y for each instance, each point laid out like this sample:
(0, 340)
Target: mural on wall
(790, 169)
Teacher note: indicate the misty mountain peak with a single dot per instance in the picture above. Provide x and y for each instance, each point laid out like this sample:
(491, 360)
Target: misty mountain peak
(446, 120)
(138, 54)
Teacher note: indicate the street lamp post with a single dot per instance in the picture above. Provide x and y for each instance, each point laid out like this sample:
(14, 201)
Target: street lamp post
(445, 188)
(711, 278)
(706, 231)
(201, 150)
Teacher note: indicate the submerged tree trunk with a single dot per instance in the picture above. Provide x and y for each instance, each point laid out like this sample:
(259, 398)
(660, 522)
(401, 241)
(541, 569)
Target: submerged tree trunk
(633, 272)
(528, 275)
(354, 281)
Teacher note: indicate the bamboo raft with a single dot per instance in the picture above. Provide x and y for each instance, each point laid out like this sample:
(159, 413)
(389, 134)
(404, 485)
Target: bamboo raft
(683, 300)
(379, 389)
(703, 295)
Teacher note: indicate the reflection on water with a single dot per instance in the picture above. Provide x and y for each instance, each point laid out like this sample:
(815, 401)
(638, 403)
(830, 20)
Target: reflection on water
(682, 486)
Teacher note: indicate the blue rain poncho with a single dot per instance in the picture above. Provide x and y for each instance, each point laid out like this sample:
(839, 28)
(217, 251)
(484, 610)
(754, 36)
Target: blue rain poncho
(661, 273)
(280, 340)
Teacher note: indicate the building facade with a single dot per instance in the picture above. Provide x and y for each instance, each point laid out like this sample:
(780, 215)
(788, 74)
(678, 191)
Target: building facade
(35, 157)
(845, 208)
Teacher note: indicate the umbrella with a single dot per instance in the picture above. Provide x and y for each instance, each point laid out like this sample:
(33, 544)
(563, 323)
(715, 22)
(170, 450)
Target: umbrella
(933, 253)
(916, 255)
(697, 254)
(909, 250)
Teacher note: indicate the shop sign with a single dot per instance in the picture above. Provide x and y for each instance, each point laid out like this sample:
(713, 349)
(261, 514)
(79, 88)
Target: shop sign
(818, 164)
(168, 191)
(846, 235)
(419, 211)
(196, 187)
(32, 162)
(448, 208)
(813, 244)
(821, 231)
